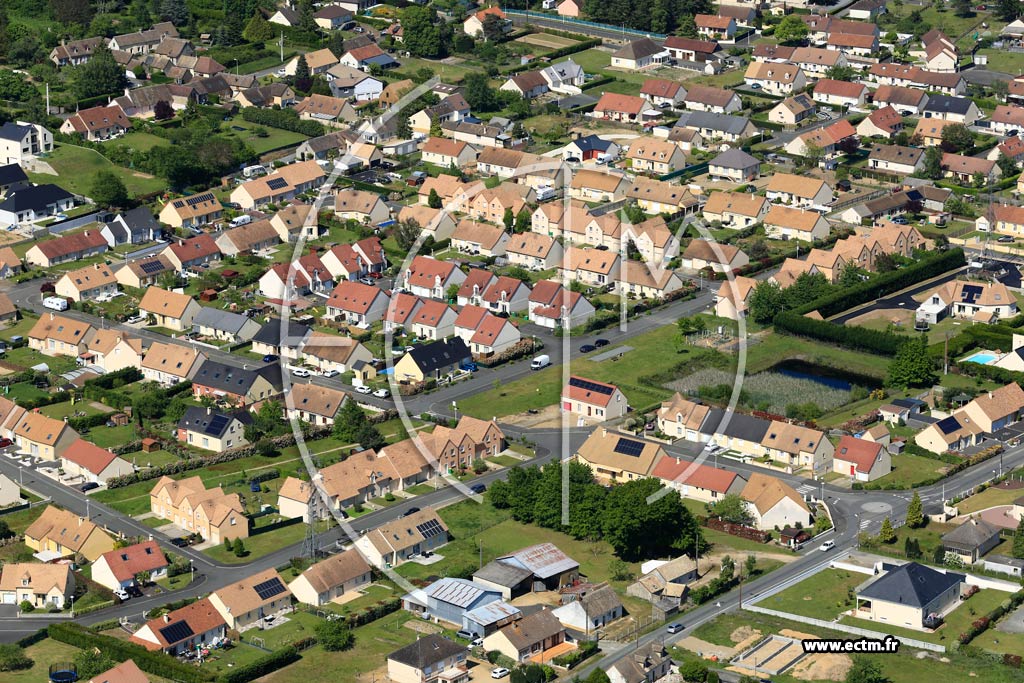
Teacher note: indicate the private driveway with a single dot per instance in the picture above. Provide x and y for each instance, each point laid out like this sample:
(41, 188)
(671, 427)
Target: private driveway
(903, 299)
(999, 516)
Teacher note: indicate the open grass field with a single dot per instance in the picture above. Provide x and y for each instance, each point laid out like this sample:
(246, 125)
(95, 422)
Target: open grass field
(76, 167)
(822, 596)
(546, 40)
(276, 137)
(910, 469)
(42, 654)
(143, 142)
(990, 497)
(904, 667)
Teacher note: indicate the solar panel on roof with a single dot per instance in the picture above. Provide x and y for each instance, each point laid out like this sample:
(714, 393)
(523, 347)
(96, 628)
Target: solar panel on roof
(269, 588)
(277, 183)
(199, 199)
(429, 529)
(948, 425)
(150, 267)
(177, 632)
(970, 293)
(217, 424)
(591, 386)
(629, 447)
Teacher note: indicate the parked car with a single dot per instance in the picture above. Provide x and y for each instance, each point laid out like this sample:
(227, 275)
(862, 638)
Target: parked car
(463, 633)
(826, 546)
(411, 511)
(331, 373)
(601, 342)
(269, 358)
(675, 628)
(5, 442)
(122, 594)
(302, 372)
(478, 488)
(382, 393)
(366, 280)
(1004, 238)
(363, 389)
(587, 348)
(499, 672)
(88, 486)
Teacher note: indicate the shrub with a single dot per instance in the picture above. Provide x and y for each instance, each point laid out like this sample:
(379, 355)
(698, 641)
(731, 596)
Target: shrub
(334, 636)
(27, 606)
(13, 658)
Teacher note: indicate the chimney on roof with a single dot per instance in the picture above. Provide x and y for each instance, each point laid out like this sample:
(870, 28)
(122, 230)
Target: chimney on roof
(990, 395)
(209, 410)
(167, 618)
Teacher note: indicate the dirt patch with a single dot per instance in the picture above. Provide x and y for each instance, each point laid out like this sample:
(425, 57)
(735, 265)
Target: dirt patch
(421, 626)
(545, 418)
(899, 317)
(743, 633)
(707, 650)
(546, 40)
(822, 668)
(1010, 485)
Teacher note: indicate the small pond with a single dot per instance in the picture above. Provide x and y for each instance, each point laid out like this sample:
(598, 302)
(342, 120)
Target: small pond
(833, 378)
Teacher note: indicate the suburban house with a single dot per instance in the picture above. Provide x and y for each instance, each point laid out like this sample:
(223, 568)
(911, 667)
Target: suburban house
(122, 567)
(719, 257)
(534, 635)
(357, 303)
(90, 463)
(839, 93)
(591, 609)
(860, 459)
(615, 457)
(21, 142)
(792, 110)
(905, 596)
(648, 663)
(393, 542)
(428, 659)
(972, 540)
(785, 223)
(697, 482)
(183, 629)
(313, 404)
(734, 165)
(192, 252)
(896, 159)
(712, 100)
(978, 301)
(773, 503)
(43, 437)
(775, 79)
(169, 309)
(331, 579)
(97, 123)
(624, 108)
(40, 585)
(213, 430)
(192, 507)
(63, 249)
(238, 386)
(798, 447)
(169, 364)
(248, 602)
(58, 533)
(735, 209)
(430, 278)
(884, 123)
(592, 401)
(56, 335)
(639, 54)
(433, 360)
(658, 157)
(192, 211)
(799, 191)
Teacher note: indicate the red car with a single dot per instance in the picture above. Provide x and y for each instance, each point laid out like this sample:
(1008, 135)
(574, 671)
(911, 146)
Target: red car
(47, 287)
(4, 443)
(375, 275)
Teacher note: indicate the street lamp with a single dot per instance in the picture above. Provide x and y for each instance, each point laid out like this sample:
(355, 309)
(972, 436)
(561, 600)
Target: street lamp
(72, 606)
(191, 571)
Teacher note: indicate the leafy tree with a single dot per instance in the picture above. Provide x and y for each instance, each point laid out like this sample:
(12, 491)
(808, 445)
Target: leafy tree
(791, 29)
(766, 301)
(16, 88)
(266, 421)
(71, 11)
(619, 570)
(143, 578)
(915, 512)
(523, 222)
(850, 275)
(597, 676)
(637, 529)
(306, 21)
(932, 168)
(508, 219)
(108, 190)
(999, 89)
(732, 508)
(162, 111)
(516, 492)
(693, 671)
(1008, 10)
(963, 8)
(1007, 166)
(912, 366)
(13, 657)
(239, 548)
(101, 75)
(407, 232)
(422, 36)
(885, 263)
(370, 437)
(479, 94)
(452, 293)
(958, 138)
(349, 422)
(302, 76)
(692, 324)
(865, 670)
(258, 29)
(938, 555)
(149, 405)
(494, 28)
(176, 12)
(334, 636)
(978, 179)
(433, 200)
(886, 534)
(5, 530)
(911, 548)
(687, 26)
(806, 288)
(750, 564)
(1018, 541)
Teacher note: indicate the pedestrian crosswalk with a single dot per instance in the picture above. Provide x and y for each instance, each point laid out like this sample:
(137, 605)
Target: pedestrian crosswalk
(865, 524)
(805, 489)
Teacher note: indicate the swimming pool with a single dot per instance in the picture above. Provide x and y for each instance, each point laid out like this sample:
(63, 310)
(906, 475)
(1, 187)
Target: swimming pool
(982, 358)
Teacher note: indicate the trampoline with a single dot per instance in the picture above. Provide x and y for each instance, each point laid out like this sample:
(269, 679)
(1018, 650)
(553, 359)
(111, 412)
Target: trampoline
(64, 672)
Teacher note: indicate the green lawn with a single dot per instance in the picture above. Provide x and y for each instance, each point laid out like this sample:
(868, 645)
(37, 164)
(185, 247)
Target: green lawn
(42, 654)
(105, 437)
(505, 460)
(908, 470)
(143, 142)
(957, 622)
(990, 497)
(262, 544)
(276, 137)
(68, 409)
(76, 167)
(822, 596)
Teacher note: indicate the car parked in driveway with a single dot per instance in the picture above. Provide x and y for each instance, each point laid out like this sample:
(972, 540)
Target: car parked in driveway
(88, 486)
(499, 672)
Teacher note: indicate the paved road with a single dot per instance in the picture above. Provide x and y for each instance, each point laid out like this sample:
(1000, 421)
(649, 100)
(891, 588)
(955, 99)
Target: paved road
(903, 299)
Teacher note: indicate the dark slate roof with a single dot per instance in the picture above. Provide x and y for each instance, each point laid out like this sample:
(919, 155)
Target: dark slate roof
(34, 198)
(427, 650)
(211, 422)
(911, 584)
(948, 105)
(724, 123)
(271, 333)
(225, 321)
(223, 377)
(140, 219)
(13, 131)
(971, 534)
(12, 173)
(735, 158)
(746, 427)
(592, 142)
(439, 354)
(502, 574)
(909, 403)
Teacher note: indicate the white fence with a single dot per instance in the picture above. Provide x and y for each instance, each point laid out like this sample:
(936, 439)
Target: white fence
(835, 626)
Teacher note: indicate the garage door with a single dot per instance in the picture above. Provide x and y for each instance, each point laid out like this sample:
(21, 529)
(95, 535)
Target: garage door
(8, 598)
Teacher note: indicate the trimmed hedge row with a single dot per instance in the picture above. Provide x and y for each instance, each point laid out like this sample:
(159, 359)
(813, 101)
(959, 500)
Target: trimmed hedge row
(285, 119)
(278, 659)
(156, 663)
(850, 337)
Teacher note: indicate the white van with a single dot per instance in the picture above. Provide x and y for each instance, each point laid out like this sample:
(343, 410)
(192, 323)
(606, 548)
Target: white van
(544, 193)
(56, 303)
(604, 158)
(253, 171)
(540, 362)
(244, 219)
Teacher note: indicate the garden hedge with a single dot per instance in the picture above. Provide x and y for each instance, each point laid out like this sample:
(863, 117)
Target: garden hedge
(285, 119)
(278, 659)
(847, 336)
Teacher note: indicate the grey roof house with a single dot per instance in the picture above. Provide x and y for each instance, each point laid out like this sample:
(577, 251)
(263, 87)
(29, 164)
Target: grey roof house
(429, 658)
(224, 325)
(971, 540)
(591, 610)
(135, 226)
(711, 125)
(511, 579)
(908, 595)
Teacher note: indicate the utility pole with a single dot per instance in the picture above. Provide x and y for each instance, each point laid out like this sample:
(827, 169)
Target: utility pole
(281, 43)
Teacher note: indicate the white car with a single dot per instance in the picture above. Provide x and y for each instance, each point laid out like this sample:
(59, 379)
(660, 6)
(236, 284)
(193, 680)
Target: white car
(382, 393)
(363, 389)
(331, 373)
(302, 372)
(500, 672)
(826, 546)
(122, 594)
(282, 72)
